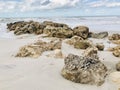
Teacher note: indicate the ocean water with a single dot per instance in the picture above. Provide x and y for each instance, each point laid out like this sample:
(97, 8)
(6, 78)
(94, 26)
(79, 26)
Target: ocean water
(98, 24)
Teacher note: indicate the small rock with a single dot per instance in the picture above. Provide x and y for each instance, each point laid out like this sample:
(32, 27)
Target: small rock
(100, 35)
(82, 44)
(114, 37)
(100, 46)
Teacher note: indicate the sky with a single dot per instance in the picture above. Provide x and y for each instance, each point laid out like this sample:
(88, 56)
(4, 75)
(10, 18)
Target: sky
(51, 8)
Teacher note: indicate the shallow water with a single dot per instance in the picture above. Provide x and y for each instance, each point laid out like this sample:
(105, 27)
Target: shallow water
(94, 23)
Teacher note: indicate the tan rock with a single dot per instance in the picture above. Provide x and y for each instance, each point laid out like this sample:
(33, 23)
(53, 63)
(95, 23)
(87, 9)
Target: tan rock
(84, 70)
(81, 31)
(36, 49)
(82, 44)
(114, 37)
(100, 46)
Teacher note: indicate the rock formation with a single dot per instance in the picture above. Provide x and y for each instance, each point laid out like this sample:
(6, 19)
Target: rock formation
(84, 70)
(50, 28)
(60, 31)
(115, 51)
(36, 49)
(100, 35)
(114, 37)
(100, 46)
(81, 31)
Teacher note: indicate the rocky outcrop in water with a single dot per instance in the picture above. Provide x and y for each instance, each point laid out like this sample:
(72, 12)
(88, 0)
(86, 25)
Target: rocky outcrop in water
(84, 70)
(36, 49)
(81, 31)
(100, 35)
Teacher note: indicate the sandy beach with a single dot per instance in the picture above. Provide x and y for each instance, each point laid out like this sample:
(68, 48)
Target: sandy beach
(42, 73)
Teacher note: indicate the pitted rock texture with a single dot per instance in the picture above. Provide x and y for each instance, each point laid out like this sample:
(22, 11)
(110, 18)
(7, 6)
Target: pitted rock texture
(36, 49)
(81, 31)
(84, 70)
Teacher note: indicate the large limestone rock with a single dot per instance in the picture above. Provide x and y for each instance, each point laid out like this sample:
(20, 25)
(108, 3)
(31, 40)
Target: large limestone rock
(84, 70)
(81, 31)
(114, 37)
(23, 27)
(57, 30)
(100, 35)
(36, 49)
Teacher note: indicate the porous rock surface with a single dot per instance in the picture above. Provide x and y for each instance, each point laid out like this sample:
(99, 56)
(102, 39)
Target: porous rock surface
(36, 49)
(81, 31)
(84, 70)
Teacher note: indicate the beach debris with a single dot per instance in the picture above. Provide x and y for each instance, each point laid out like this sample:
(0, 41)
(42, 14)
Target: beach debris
(81, 31)
(118, 66)
(100, 46)
(84, 70)
(114, 37)
(100, 35)
(37, 48)
(115, 51)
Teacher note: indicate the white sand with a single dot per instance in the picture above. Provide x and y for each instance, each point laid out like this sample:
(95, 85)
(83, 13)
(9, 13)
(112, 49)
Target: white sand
(42, 73)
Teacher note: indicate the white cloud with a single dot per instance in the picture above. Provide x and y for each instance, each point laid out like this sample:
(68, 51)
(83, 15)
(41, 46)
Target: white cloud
(32, 5)
(105, 3)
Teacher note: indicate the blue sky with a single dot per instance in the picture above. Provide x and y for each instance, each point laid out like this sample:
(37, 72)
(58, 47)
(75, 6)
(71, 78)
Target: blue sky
(46, 8)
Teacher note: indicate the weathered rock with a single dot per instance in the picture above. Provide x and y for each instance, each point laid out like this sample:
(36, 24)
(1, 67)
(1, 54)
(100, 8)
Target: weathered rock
(81, 31)
(83, 44)
(118, 66)
(91, 52)
(98, 35)
(84, 70)
(57, 54)
(36, 49)
(116, 41)
(22, 27)
(73, 40)
(60, 32)
(100, 46)
(114, 37)
(115, 51)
